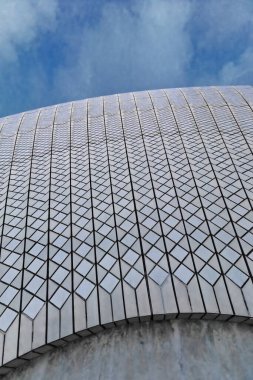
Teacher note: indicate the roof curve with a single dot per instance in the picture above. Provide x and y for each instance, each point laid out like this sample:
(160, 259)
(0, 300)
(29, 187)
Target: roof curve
(122, 208)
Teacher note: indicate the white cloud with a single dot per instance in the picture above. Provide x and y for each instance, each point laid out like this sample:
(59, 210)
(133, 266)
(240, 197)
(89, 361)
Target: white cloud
(239, 71)
(22, 21)
(222, 21)
(96, 47)
(144, 45)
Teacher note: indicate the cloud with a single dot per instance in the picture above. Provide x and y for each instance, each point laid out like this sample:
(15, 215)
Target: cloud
(221, 23)
(239, 71)
(21, 23)
(143, 45)
(59, 50)
(222, 35)
(23, 26)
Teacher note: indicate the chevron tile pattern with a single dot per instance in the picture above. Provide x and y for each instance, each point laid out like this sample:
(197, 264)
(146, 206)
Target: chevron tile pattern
(121, 209)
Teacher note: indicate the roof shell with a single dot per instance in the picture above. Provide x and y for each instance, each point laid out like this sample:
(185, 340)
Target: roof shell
(122, 208)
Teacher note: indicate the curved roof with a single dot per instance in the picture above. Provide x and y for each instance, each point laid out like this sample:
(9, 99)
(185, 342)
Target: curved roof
(124, 208)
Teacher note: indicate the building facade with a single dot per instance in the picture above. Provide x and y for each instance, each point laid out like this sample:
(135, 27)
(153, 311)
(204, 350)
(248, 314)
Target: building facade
(124, 208)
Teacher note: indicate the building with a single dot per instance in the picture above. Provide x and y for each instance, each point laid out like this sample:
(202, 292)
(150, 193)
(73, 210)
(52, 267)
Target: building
(127, 208)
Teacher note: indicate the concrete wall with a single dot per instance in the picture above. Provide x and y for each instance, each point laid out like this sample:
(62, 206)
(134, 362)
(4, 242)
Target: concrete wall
(178, 350)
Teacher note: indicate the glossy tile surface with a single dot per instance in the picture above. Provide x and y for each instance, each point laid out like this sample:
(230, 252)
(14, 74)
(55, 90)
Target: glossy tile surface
(122, 208)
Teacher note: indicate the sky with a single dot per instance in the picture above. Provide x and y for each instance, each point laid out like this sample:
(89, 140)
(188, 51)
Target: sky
(54, 51)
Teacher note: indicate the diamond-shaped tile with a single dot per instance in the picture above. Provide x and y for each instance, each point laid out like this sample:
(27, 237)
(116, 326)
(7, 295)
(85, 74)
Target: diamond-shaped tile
(36, 249)
(33, 308)
(60, 257)
(184, 274)
(60, 297)
(230, 254)
(203, 253)
(109, 282)
(84, 267)
(133, 278)
(106, 244)
(237, 276)
(131, 257)
(158, 275)
(151, 237)
(105, 229)
(85, 288)
(209, 274)
(10, 275)
(127, 225)
(179, 253)
(59, 275)
(219, 221)
(35, 265)
(60, 241)
(107, 261)
(175, 236)
(83, 249)
(11, 258)
(128, 240)
(224, 236)
(195, 220)
(154, 254)
(34, 284)
(8, 295)
(7, 318)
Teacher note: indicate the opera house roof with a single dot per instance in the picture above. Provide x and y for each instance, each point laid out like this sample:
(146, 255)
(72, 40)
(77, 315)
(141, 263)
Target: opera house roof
(127, 207)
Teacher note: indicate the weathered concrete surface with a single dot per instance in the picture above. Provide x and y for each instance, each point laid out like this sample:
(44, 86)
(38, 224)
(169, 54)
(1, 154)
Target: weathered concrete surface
(178, 350)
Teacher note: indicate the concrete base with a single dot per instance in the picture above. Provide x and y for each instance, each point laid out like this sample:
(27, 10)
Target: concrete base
(173, 350)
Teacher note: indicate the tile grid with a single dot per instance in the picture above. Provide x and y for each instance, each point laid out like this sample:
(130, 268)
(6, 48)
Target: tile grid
(163, 296)
(124, 208)
(95, 319)
(191, 209)
(119, 311)
(84, 276)
(169, 160)
(36, 243)
(235, 244)
(136, 277)
(8, 314)
(219, 244)
(25, 327)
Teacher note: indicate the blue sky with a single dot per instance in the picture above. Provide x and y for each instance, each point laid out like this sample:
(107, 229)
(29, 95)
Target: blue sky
(52, 51)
